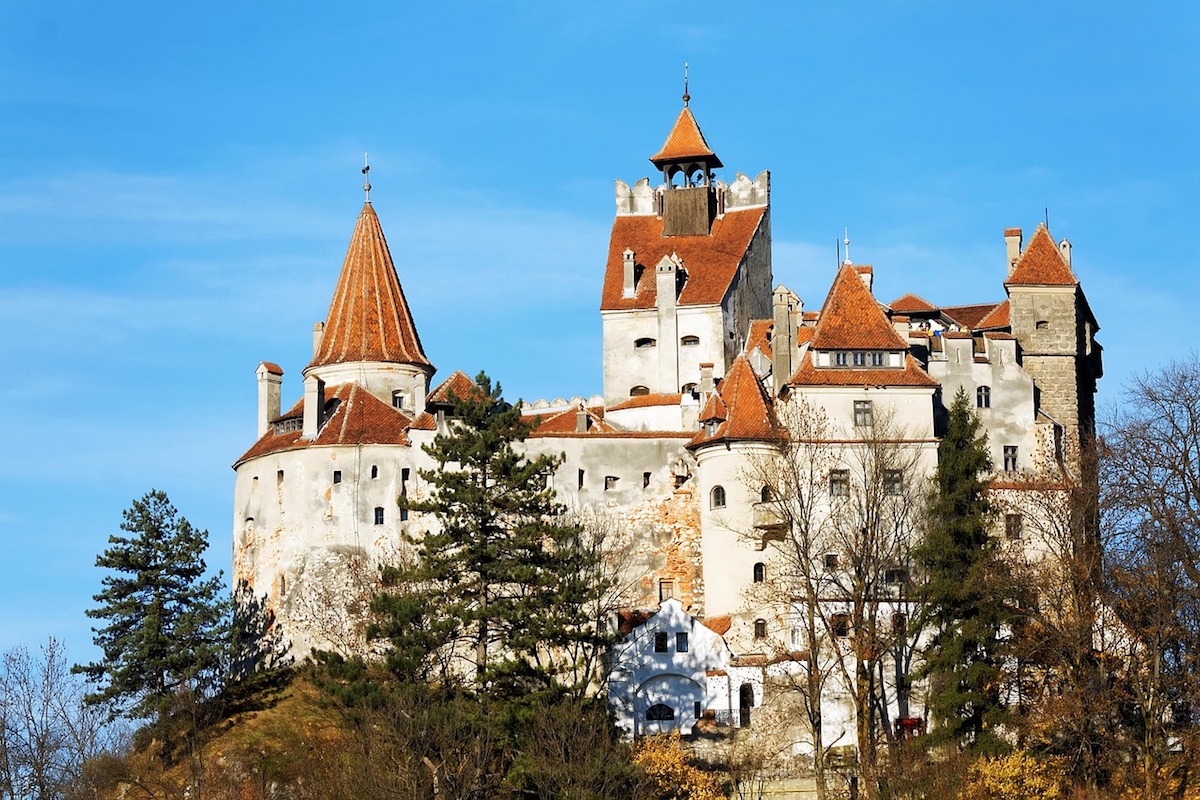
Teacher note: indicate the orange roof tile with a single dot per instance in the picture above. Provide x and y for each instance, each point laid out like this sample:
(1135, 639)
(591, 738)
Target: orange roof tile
(1041, 264)
(685, 142)
(749, 415)
(356, 417)
(851, 318)
(911, 375)
(969, 316)
(457, 385)
(998, 317)
(714, 409)
(648, 401)
(272, 367)
(759, 337)
(368, 319)
(999, 336)
(554, 424)
(912, 304)
(718, 625)
(711, 261)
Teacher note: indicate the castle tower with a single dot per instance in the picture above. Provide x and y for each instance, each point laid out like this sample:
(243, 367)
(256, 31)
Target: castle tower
(689, 266)
(1056, 331)
(368, 337)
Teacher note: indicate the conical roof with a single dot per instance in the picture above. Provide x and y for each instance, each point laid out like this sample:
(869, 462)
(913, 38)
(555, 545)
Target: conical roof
(1042, 264)
(852, 320)
(741, 407)
(685, 143)
(369, 319)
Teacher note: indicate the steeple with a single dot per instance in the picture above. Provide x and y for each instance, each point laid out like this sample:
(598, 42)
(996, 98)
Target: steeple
(686, 151)
(369, 336)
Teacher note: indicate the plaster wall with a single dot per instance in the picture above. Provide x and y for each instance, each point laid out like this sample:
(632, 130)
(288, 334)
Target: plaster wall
(626, 365)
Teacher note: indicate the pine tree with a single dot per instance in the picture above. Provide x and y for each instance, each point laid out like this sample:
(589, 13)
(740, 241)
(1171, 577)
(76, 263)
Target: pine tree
(964, 591)
(167, 628)
(503, 582)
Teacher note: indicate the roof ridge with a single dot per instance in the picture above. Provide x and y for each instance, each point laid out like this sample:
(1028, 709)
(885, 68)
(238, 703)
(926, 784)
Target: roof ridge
(1042, 264)
(852, 318)
(685, 141)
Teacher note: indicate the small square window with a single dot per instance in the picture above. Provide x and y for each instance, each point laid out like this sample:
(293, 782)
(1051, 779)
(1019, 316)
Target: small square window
(660, 642)
(1012, 526)
(841, 359)
(895, 576)
(337, 476)
(839, 483)
(1010, 458)
(877, 359)
(378, 515)
(681, 642)
(860, 359)
(610, 482)
(893, 481)
(831, 561)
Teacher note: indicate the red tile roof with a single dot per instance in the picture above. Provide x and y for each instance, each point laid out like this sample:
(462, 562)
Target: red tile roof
(272, 367)
(358, 417)
(998, 317)
(711, 261)
(911, 303)
(1041, 264)
(969, 316)
(718, 625)
(748, 411)
(911, 375)
(557, 423)
(369, 319)
(685, 142)
(759, 336)
(648, 401)
(851, 319)
(457, 385)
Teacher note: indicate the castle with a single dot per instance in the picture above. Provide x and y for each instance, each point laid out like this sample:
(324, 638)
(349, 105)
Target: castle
(712, 375)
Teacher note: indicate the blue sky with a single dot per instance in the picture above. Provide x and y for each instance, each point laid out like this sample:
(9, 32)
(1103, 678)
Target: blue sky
(178, 183)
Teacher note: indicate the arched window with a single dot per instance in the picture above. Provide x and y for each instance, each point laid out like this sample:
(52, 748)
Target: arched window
(660, 712)
(646, 342)
(983, 397)
(760, 629)
(688, 388)
(765, 494)
(689, 341)
(760, 572)
(717, 497)
(639, 391)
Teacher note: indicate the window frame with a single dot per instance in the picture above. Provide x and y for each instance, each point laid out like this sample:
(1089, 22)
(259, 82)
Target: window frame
(660, 641)
(864, 414)
(839, 483)
(1011, 458)
(717, 497)
(983, 397)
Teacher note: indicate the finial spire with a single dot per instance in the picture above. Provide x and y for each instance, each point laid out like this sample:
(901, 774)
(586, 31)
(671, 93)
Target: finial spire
(846, 242)
(366, 177)
(686, 96)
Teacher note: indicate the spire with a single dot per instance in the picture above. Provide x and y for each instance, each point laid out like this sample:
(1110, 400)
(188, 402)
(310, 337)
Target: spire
(685, 142)
(686, 96)
(369, 319)
(366, 177)
(851, 318)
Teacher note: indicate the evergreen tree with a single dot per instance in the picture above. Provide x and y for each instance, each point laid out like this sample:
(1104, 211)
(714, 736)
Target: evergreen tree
(964, 590)
(167, 628)
(503, 582)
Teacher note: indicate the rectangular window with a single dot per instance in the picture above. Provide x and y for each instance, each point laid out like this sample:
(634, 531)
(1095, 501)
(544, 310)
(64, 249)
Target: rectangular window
(831, 561)
(681, 643)
(895, 576)
(337, 476)
(645, 480)
(893, 481)
(666, 590)
(860, 359)
(610, 482)
(839, 625)
(404, 473)
(877, 359)
(839, 483)
(1012, 526)
(378, 515)
(841, 359)
(899, 623)
(660, 642)
(580, 479)
(1010, 458)
(864, 414)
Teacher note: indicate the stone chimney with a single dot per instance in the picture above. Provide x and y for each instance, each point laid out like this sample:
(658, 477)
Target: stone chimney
(1012, 246)
(867, 273)
(318, 335)
(706, 382)
(314, 406)
(630, 274)
(270, 378)
(581, 420)
(783, 336)
(1064, 248)
(667, 287)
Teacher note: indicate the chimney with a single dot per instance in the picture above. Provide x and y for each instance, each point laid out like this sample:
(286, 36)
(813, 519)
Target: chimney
(270, 378)
(314, 405)
(318, 335)
(867, 273)
(581, 420)
(783, 337)
(1064, 249)
(706, 381)
(630, 274)
(1012, 246)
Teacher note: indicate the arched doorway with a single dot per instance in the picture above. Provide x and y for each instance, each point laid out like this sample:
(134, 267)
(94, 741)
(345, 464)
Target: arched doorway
(745, 703)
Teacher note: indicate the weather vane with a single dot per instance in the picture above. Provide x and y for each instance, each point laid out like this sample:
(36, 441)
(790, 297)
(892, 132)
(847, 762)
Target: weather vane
(686, 96)
(366, 177)
(847, 241)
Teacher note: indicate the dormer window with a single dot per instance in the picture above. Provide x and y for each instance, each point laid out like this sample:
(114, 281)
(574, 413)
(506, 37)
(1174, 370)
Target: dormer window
(639, 391)
(645, 342)
(400, 399)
